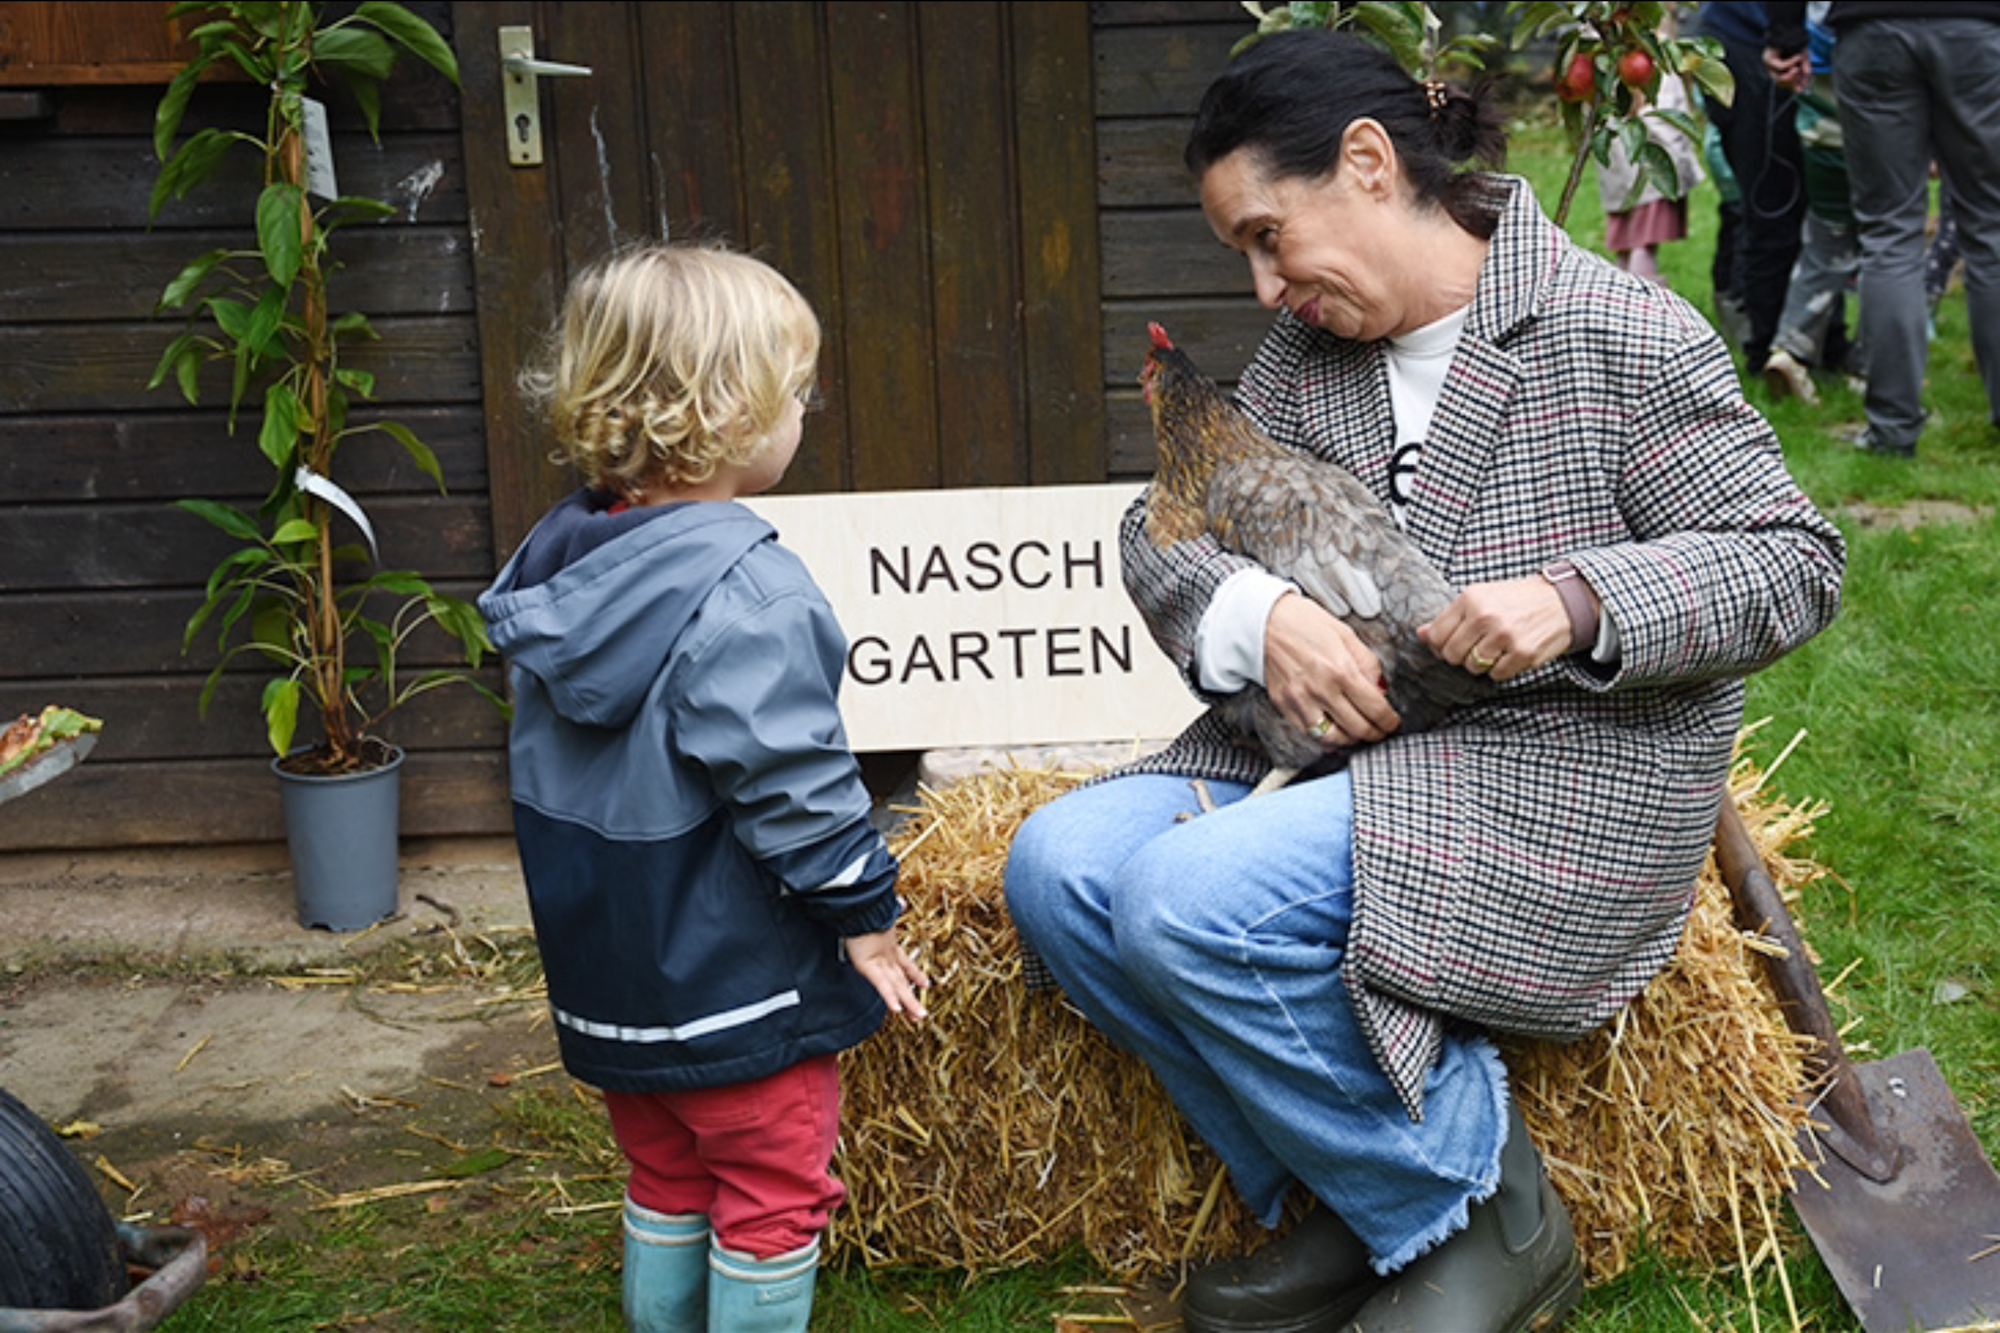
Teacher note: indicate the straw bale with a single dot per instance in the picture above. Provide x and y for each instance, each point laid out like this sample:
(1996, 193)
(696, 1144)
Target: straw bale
(1006, 1130)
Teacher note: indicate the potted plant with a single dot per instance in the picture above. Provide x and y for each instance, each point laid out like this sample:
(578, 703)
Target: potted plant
(329, 621)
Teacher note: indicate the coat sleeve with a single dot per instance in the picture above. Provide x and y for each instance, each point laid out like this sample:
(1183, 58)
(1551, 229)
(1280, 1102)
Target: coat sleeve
(1172, 588)
(756, 706)
(1731, 565)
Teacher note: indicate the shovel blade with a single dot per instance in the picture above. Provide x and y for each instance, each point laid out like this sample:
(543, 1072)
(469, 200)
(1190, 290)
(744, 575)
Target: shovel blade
(1907, 1252)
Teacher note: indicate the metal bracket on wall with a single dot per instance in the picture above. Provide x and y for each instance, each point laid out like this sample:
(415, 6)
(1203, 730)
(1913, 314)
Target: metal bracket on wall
(518, 73)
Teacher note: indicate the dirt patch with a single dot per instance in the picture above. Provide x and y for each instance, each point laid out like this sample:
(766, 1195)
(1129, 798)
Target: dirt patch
(1915, 513)
(244, 1109)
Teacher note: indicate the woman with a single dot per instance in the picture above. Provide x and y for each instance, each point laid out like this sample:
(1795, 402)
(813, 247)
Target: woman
(1310, 972)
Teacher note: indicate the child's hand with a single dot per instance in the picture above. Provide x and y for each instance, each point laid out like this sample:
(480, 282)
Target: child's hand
(893, 973)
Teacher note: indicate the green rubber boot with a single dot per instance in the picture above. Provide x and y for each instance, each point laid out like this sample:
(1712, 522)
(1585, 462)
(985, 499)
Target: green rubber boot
(1513, 1269)
(751, 1295)
(1310, 1280)
(666, 1271)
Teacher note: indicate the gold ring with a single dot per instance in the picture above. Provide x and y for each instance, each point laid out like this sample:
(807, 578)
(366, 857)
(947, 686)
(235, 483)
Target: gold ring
(1319, 729)
(1480, 662)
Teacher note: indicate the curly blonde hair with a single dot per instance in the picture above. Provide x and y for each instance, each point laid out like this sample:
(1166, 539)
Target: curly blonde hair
(669, 360)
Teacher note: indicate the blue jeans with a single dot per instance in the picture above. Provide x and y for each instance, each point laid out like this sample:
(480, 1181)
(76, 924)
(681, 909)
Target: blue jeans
(1211, 947)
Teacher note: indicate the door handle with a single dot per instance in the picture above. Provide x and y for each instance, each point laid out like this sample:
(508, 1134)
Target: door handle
(519, 70)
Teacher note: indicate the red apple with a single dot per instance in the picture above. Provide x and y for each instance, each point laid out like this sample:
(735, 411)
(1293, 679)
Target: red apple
(1635, 67)
(1578, 83)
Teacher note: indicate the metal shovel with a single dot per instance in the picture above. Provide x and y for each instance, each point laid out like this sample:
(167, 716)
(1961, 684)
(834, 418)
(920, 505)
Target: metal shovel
(1902, 1204)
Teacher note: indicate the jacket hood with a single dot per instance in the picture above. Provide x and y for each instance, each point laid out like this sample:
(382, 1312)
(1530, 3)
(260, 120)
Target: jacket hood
(594, 601)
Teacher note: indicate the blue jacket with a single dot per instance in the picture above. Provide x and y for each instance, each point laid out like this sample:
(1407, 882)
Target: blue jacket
(693, 829)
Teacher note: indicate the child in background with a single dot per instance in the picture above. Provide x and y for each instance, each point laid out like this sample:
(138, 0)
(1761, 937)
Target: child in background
(1635, 228)
(714, 908)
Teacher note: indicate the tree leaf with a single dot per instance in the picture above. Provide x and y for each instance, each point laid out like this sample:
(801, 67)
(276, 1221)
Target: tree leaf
(419, 452)
(281, 713)
(417, 36)
(357, 50)
(279, 436)
(176, 292)
(281, 230)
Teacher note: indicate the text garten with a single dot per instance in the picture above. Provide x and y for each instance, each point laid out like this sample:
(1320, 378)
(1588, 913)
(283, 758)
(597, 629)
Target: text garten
(1064, 650)
(1016, 653)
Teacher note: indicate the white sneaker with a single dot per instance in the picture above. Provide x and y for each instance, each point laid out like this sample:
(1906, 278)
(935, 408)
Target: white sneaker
(1787, 378)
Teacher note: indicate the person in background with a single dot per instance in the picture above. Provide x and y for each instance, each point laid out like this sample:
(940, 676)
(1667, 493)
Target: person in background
(1761, 142)
(1812, 331)
(1315, 972)
(1635, 228)
(714, 906)
(1917, 81)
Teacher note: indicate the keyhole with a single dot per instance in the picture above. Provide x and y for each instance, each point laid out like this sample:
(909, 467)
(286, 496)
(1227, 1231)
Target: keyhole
(522, 124)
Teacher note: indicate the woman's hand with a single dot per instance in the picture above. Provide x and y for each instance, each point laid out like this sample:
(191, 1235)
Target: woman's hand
(1323, 677)
(1501, 629)
(893, 973)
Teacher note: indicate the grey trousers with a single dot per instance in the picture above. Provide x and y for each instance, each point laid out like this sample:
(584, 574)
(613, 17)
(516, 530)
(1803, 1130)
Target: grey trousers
(1912, 91)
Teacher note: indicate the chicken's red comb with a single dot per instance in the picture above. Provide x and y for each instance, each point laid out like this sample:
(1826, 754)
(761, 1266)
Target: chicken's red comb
(1160, 338)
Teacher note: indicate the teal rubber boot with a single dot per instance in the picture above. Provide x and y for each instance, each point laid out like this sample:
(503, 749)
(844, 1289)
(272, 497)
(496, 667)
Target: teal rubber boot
(751, 1295)
(666, 1271)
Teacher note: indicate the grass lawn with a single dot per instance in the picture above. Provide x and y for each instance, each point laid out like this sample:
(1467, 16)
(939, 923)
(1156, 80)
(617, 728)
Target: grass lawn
(1896, 715)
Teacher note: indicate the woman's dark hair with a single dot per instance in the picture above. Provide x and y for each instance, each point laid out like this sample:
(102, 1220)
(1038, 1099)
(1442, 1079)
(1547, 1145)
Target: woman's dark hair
(1290, 97)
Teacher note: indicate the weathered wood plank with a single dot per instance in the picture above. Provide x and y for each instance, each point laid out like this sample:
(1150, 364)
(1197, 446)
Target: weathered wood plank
(1150, 253)
(86, 634)
(1059, 247)
(974, 239)
(691, 120)
(1139, 164)
(789, 181)
(164, 455)
(105, 367)
(597, 164)
(236, 801)
(888, 329)
(160, 718)
(1221, 336)
(1161, 71)
(46, 548)
(518, 273)
(78, 276)
(54, 183)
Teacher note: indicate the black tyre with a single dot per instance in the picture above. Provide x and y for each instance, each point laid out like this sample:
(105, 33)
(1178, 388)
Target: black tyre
(58, 1246)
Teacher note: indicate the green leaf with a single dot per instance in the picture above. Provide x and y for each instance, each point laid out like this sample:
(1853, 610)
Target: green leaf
(417, 36)
(227, 517)
(192, 163)
(281, 713)
(260, 330)
(355, 50)
(173, 105)
(176, 293)
(170, 360)
(476, 1163)
(230, 315)
(281, 230)
(278, 438)
(367, 96)
(295, 530)
(419, 452)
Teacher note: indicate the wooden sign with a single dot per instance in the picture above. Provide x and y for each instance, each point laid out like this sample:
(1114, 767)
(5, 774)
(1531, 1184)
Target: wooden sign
(984, 617)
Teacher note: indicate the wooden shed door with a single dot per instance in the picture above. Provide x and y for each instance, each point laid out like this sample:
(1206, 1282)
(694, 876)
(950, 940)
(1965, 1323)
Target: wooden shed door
(925, 172)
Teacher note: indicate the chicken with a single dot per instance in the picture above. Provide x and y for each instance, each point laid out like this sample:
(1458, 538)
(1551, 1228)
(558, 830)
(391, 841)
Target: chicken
(1306, 520)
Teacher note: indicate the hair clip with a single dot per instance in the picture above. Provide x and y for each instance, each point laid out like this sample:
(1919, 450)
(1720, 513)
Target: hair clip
(1435, 93)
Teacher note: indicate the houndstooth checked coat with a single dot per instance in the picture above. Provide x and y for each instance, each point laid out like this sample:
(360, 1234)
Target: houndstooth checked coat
(1529, 865)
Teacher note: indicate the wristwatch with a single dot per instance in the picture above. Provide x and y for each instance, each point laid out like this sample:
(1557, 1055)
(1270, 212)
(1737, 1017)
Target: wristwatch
(1562, 576)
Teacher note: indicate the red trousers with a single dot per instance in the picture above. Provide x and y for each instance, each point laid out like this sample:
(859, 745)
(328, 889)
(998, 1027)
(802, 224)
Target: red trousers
(751, 1157)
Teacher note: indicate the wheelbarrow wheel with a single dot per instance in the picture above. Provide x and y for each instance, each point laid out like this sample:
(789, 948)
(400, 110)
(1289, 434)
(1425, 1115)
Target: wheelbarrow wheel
(58, 1245)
